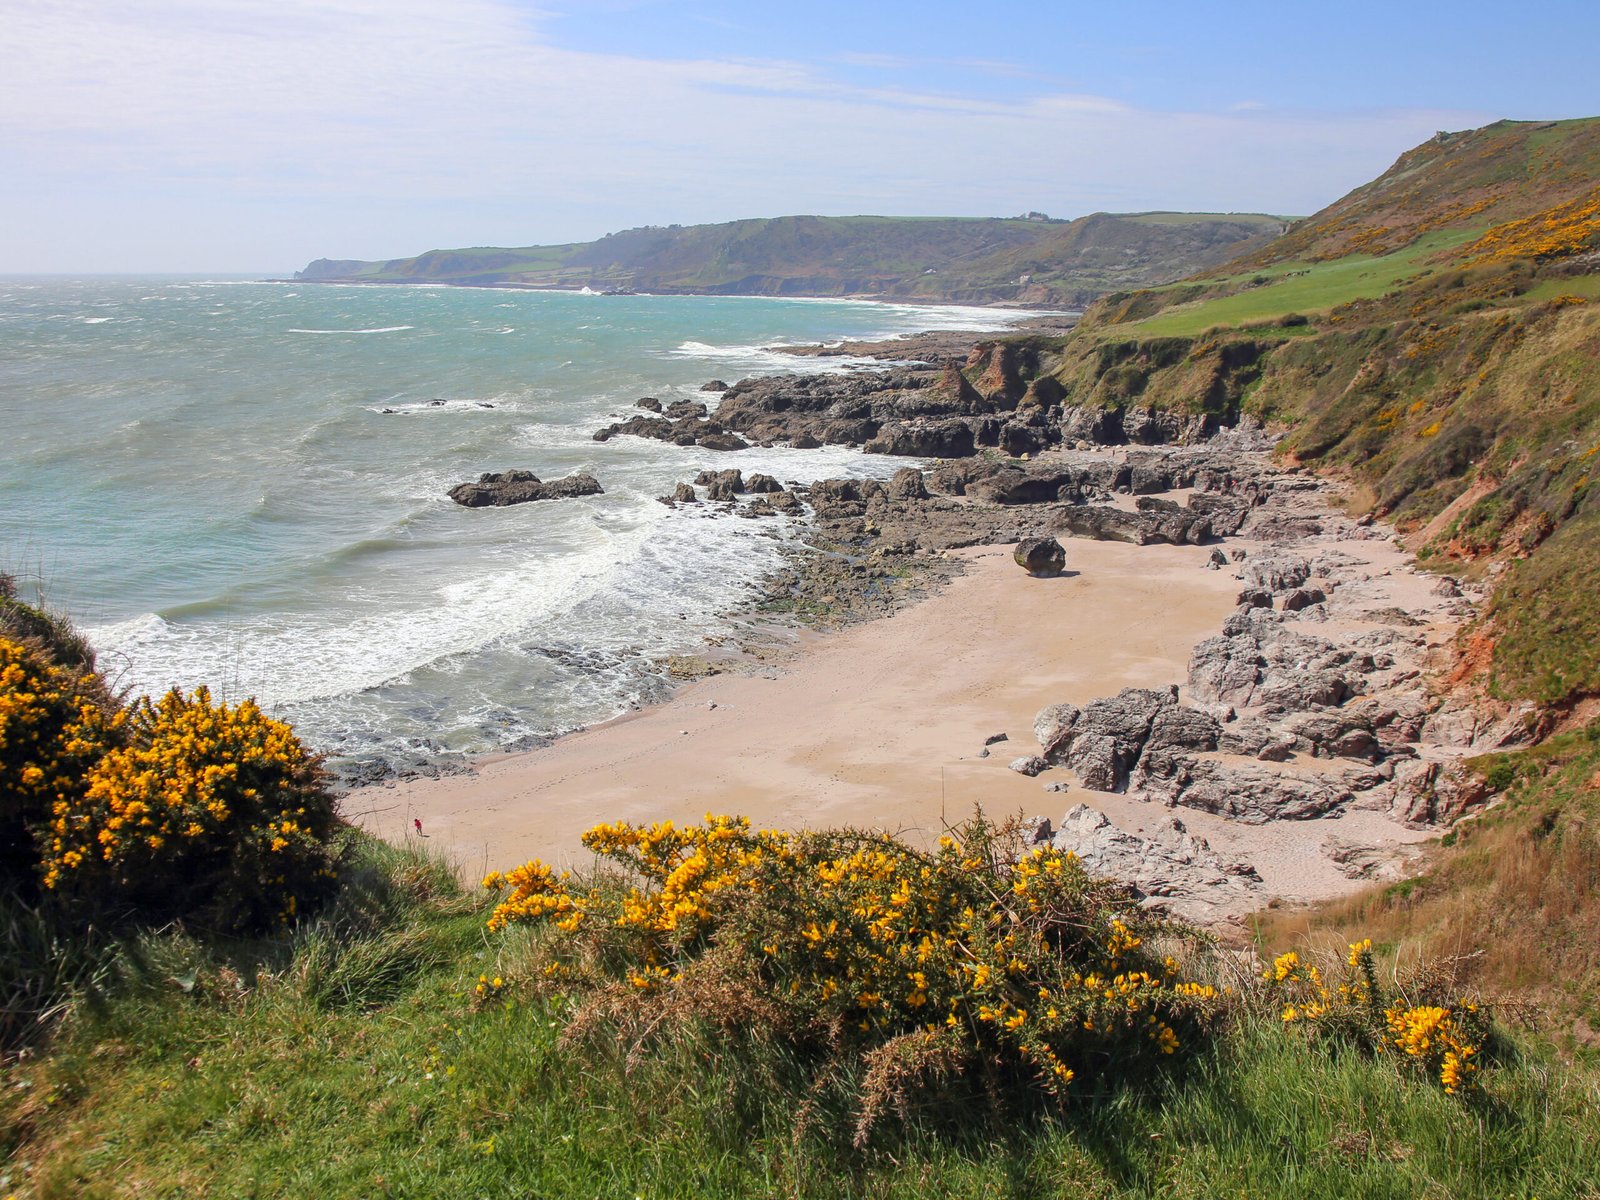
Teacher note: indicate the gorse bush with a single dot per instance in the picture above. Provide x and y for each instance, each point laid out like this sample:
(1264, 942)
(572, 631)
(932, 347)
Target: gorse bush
(53, 728)
(183, 809)
(1445, 1041)
(900, 967)
(207, 811)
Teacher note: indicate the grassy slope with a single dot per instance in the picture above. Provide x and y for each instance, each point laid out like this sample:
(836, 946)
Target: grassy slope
(354, 1062)
(1459, 391)
(1438, 374)
(916, 258)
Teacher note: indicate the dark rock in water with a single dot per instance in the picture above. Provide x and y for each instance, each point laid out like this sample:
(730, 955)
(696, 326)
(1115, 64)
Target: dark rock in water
(723, 441)
(785, 502)
(762, 483)
(684, 494)
(714, 385)
(721, 485)
(519, 487)
(1040, 556)
(805, 442)
(649, 402)
(679, 409)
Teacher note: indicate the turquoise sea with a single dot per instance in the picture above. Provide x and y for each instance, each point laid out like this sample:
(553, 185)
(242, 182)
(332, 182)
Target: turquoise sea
(242, 484)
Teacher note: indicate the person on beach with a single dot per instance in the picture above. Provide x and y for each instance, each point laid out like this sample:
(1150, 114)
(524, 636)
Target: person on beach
(417, 821)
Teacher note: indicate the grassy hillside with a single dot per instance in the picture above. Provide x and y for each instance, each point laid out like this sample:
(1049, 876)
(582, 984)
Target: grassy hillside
(1436, 335)
(1434, 338)
(935, 258)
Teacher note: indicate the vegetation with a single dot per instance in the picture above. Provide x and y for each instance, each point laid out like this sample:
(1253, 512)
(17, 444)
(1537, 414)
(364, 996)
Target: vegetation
(924, 258)
(393, 1045)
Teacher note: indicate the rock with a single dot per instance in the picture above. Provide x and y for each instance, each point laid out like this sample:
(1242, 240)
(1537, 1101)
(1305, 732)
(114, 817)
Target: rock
(1053, 725)
(683, 493)
(723, 441)
(1302, 597)
(1170, 870)
(520, 487)
(721, 485)
(1030, 764)
(714, 385)
(1097, 761)
(1277, 572)
(1035, 830)
(805, 442)
(1429, 794)
(1058, 785)
(785, 502)
(1040, 556)
(679, 409)
(1255, 795)
(924, 439)
(995, 739)
(1217, 559)
(648, 402)
(907, 484)
(1255, 598)
(762, 483)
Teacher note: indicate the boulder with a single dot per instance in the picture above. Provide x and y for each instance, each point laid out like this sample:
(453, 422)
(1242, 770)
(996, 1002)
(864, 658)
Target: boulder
(520, 487)
(721, 485)
(648, 402)
(762, 483)
(1030, 764)
(1257, 795)
(714, 385)
(1040, 556)
(1170, 869)
(723, 441)
(907, 484)
(679, 409)
(924, 439)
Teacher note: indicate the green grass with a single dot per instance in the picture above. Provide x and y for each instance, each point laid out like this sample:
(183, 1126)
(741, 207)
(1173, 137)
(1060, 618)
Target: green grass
(1298, 287)
(237, 1072)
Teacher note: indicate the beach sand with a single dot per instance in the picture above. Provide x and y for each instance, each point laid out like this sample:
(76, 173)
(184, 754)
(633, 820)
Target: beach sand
(879, 725)
(882, 725)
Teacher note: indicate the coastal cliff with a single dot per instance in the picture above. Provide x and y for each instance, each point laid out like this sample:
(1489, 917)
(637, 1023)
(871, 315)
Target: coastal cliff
(1026, 260)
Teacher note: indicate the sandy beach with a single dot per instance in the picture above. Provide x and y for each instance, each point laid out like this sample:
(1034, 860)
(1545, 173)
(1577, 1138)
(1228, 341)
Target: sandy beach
(884, 724)
(878, 725)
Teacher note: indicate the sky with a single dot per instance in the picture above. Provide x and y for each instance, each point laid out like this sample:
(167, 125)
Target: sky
(252, 136)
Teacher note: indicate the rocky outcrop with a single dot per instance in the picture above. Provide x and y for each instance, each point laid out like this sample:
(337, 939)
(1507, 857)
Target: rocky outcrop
(497, 490)
(1170, 869)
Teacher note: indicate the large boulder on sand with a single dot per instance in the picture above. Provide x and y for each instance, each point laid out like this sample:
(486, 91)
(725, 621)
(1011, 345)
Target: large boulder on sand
(1040, 556)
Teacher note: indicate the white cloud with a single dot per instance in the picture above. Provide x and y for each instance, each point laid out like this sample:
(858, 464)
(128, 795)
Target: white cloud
(268, 131)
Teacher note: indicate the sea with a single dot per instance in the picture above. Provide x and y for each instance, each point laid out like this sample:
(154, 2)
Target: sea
(242, 484)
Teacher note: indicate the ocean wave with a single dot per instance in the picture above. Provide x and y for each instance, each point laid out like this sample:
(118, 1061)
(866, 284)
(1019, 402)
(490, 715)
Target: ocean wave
(384, 329)
(772, 359)
(390, 408)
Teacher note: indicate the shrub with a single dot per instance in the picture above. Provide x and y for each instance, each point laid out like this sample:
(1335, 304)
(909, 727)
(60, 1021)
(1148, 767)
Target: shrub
(207, 812)
(902, 966)
(53, 727)
(1445, 1041)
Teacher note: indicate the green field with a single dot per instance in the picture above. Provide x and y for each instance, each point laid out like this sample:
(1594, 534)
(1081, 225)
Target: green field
(1299, 287)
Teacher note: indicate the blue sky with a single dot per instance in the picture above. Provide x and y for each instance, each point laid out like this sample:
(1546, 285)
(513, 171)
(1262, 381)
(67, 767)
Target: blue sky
(254, 135)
